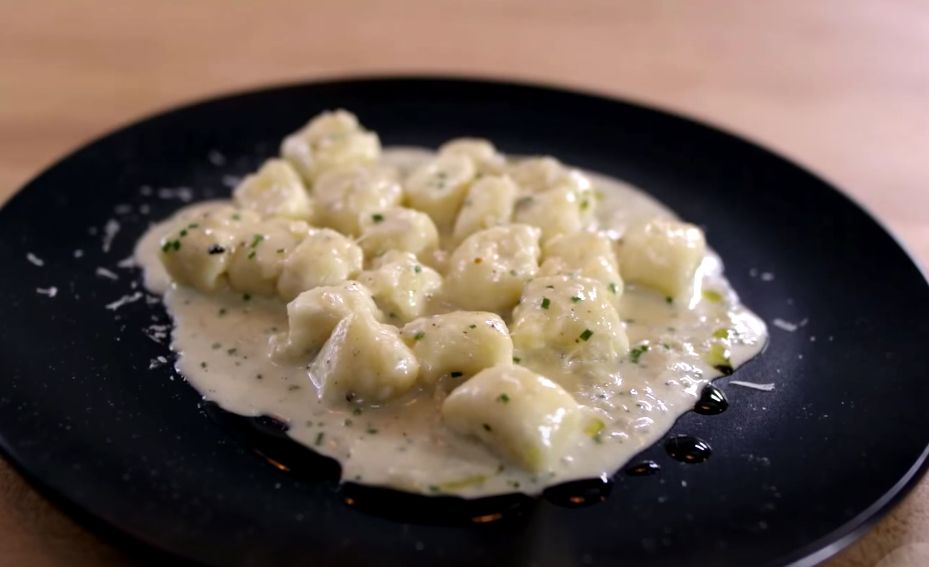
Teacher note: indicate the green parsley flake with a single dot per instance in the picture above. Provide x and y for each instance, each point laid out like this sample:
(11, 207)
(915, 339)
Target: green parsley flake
(503, 398)
(419, 335)
(319, 438)
(613, 288)
(517, 360)
(256, 240)
(377, 217)
(669, 300)
(545, 303)
(417, 268)
(487, 427)
(246, 297)
(712, 296)
(637, 352)
(585, 336)
(576, 299)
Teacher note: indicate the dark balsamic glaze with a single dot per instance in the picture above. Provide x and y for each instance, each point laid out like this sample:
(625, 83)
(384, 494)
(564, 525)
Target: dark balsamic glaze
(647, 467)
(712, 401)
(688, 449)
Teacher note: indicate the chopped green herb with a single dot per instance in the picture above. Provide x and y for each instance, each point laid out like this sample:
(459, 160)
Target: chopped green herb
(246, 297)
(576, 299)
(503, 398)
(319, 438)
(487, 427)
(171, 245)
(377, 217)
(585, 336)
(348, 423)
(545, 303)
(356, 411)
(584, 204)
(417, 268)
(472, 326)
(712, 296)
(372, 431)
(718, 358)
(280, 250)
(613, 288)
(457, 374)
(517, 360)
(183, 232)
(236, 216)
(637, 352)
(251, 255)
(203, 365)
(419, 335)
(216, 346)
(232, 351)
(594, 428)
(193, 225)
(549, 287)
(721, 333)
(669, 300)
(256, 240)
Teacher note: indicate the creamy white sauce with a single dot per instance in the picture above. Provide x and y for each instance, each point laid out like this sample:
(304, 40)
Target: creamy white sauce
(222, 345)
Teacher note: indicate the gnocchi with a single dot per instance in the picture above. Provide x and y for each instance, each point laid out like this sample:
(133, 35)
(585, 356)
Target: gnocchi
(324, 257)
(488, 270)
(332, 139)
(662, 254)
(458, 345)
(438, 187)
(346, 195)
(523, 416)
(363, 361)
(275, 190)
(401, 285)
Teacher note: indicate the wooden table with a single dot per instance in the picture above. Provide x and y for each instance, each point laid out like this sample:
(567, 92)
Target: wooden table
(841, 87)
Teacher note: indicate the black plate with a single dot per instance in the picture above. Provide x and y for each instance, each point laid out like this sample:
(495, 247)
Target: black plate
(796, 473)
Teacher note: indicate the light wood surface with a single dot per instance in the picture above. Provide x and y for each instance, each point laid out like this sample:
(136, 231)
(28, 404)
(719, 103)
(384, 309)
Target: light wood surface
(841, 87)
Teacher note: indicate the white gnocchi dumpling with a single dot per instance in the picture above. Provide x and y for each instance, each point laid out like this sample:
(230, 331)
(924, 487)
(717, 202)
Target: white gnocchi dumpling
(261, 252)
(347, 194)
(562, 210)
(537, 174)
(275, 190)
(438, 187)
(522, 416)
(488, 270)
(488, 203)
(196, 252)
(325, 257)
(313, 315)
(401, 285)
(458, 345)
(571, 316)
(332, 139)
(588, 254)
(662, 254)
(482, 152)
(400, 229)
(364, 361)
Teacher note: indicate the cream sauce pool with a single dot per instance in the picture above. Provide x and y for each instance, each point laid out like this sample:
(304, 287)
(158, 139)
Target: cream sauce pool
(222, 345)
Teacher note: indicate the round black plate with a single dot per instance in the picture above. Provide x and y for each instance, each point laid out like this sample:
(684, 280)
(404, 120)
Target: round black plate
(795, 475)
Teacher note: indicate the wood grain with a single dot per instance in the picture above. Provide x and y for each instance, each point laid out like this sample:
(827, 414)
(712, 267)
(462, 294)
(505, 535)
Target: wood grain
(840, 87)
